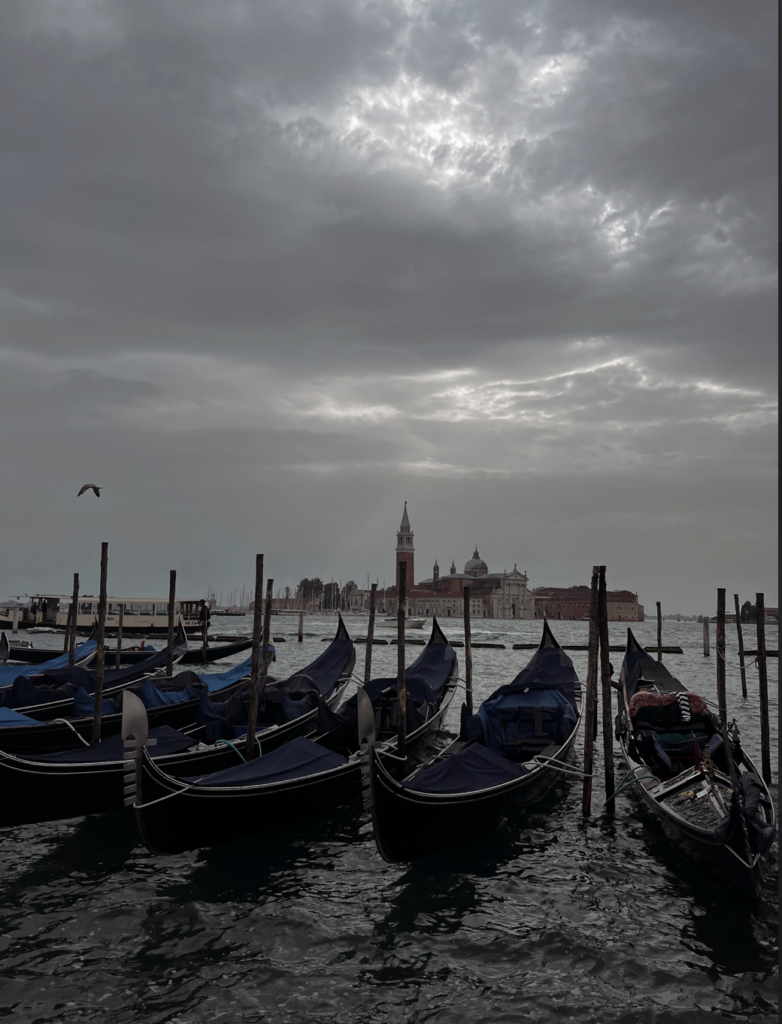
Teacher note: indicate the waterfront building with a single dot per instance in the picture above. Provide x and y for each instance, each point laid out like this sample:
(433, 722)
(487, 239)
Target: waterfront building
(493, 595)
(573, 603)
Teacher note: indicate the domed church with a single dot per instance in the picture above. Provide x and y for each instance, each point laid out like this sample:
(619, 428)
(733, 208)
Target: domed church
(493, 595)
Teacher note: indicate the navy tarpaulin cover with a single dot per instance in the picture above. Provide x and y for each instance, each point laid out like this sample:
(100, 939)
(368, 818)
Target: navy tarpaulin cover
(8, 673)
(472, 769)
(84, 704)
(219, 680)
(294, 760)
(10, 717)
(513, 717)
(152, 697)
(169, 741)
(337, 660)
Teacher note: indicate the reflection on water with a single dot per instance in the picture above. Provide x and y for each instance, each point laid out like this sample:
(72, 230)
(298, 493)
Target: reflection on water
(549, 918)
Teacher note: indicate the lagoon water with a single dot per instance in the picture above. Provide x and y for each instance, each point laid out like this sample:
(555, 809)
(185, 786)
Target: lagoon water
(550, 919)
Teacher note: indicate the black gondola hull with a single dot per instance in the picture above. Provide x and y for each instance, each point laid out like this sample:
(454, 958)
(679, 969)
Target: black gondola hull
(187, 819)
(410, 824)
(35, 791)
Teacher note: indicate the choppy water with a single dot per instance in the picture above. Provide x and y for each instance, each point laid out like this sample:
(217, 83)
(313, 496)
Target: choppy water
(547, 920)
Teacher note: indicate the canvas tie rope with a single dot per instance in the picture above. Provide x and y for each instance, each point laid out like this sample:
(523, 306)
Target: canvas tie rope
(160, 799)
(75, 731)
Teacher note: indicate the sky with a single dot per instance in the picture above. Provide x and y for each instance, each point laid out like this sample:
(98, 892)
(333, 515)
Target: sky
(269, 270)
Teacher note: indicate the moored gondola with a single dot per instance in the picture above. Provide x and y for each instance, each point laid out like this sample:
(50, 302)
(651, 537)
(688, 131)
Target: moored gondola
(46, 661)
(194, 655)
(511, 751)
(692, 774)
(297, 780)
(36, 711)
(89, 779)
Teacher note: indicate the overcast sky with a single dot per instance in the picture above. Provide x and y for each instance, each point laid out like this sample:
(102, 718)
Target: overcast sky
(270, 269)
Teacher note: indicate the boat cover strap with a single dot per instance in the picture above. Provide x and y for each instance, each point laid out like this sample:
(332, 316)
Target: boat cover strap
(472, 769)
(297, 759)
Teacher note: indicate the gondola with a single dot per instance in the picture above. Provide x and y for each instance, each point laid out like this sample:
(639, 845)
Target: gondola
(299, 779)
(708, 797)
(195, 655)
(4, 649)
(89, 779)
(509, 753)
(45, 661)
(35, 710)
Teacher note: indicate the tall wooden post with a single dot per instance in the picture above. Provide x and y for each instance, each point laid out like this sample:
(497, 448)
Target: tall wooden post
(100, 662)
(255, 664)
(120, 624)
(742, 666)
(706, 651)
(171, 622)
(659, 631)
(605, 677)
(204, 638)
(74, 621)
(301, 625)
(66, 643)
(590, 697)
(722, 699)
(370, 635)
(267, 628)
(765, 739)
(467, 650)
(401, 688)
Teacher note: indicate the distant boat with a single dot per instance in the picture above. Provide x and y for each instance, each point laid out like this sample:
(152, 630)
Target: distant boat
(409, 623)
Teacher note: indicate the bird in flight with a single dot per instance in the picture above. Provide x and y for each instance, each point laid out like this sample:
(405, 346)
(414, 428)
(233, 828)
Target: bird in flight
(89, 487)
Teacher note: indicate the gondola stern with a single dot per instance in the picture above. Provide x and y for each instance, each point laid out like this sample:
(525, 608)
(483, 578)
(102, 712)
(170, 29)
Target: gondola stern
(5, 648)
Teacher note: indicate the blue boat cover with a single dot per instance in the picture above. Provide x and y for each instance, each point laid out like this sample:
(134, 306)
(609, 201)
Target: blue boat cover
(84, 704)
(472, 769)
(294, 760)
(8, 673)
(219, 680)
(169, 741)
(11, 717)
(510, 718)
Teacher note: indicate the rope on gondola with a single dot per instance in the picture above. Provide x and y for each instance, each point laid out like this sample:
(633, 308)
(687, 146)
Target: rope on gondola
(64, 721)
(560, 766)
(628, 781)
(160, 799)
(237, 751)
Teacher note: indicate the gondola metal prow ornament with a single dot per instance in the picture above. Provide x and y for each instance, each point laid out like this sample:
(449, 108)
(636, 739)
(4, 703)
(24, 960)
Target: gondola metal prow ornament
(135, 735)
(366, 742)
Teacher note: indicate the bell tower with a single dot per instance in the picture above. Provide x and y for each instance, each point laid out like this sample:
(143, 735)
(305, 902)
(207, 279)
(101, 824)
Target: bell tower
(405, 550)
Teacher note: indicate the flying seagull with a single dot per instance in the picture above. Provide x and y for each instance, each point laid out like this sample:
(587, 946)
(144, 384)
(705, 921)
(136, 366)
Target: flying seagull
(88, 487)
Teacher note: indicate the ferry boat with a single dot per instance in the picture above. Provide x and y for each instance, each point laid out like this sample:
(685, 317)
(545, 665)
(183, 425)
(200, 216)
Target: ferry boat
(142, 615)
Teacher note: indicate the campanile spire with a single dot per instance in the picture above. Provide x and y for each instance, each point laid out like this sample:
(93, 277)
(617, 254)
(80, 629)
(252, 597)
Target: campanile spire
(405, 549)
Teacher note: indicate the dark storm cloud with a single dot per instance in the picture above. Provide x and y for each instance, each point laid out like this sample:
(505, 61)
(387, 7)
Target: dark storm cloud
(427, 242)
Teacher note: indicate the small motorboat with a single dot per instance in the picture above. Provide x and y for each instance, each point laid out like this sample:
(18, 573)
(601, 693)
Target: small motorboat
(391, 621)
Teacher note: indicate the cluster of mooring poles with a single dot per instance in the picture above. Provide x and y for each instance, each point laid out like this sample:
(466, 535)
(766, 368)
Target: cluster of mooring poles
(259, 664)
(598, 664)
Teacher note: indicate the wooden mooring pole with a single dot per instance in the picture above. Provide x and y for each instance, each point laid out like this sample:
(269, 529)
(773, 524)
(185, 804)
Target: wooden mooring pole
(765, 738)
(370, 634)
(605, 677)
(267, 628)
(722, 700)
(74, 621)
(100, 661)
(706, 636)
(467, 651)
(401, 689)
(120, 624)
(204, 637)
(742, 666)
(659, 631)
(590, 697)
(255, 664)
(301, 625)
(171, 622)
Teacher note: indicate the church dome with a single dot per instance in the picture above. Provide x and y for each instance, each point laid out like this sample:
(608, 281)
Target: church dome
(476, 565)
